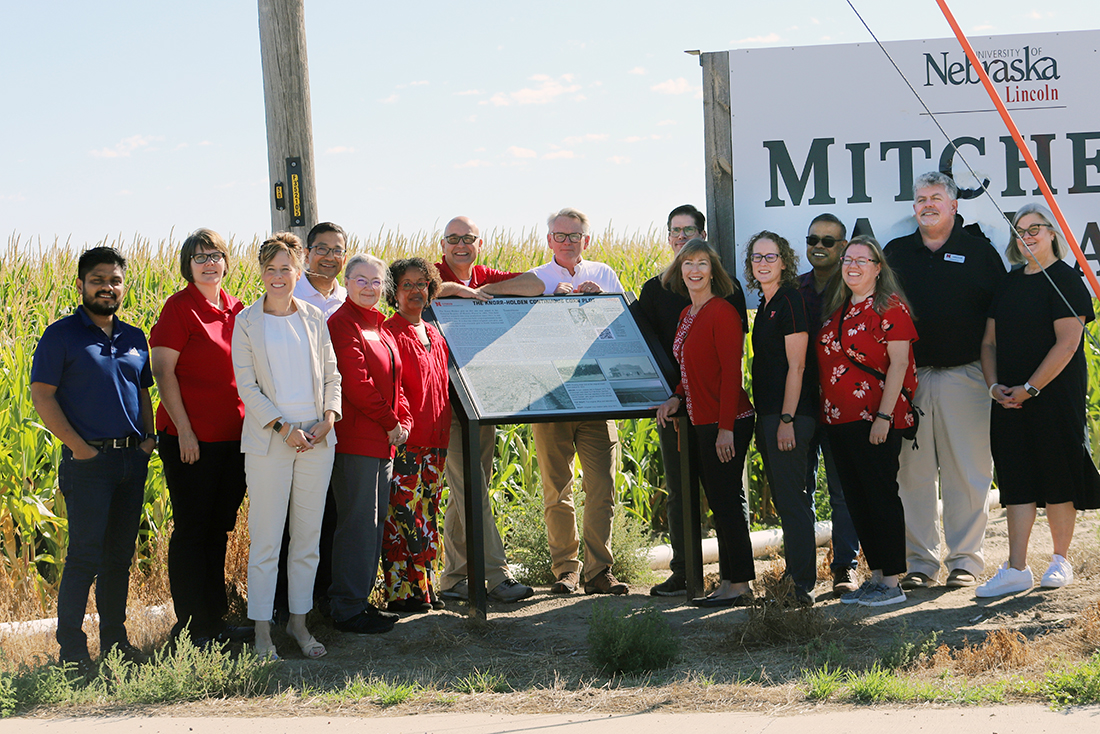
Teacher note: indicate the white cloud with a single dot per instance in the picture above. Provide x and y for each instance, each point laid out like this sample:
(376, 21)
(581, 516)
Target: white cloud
(984, 27)
(586, 138)
(473, 163)
(517, 152)
(125, 192)
(546, 90)
(12, 197)
(559, 154)
(126, 146)
(662, 123)
(679, 85)
(205, 142)
(468, 92)
(619, 160)
(339, 149)
(636, 70)
(420, 83)
(772, 37)
(389, 100)
(640, 138)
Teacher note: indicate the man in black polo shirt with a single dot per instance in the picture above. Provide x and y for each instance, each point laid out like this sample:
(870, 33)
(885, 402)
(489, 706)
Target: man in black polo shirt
(660, 308)
(90, 382)
(949, 275)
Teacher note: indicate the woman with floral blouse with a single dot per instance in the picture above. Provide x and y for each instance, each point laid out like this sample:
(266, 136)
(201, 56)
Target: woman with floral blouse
(865, 360)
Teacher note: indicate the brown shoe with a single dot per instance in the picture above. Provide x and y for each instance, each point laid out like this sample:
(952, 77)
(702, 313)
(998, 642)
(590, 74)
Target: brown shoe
(605, 583)
(844, 581)
(566, 583)
(959, 578)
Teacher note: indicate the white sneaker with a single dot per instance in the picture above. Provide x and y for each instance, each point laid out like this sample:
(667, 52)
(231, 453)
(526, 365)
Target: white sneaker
(1007, 580)
(1058, 574)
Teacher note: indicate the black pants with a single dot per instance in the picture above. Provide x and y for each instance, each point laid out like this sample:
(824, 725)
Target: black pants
(726, 497)
(205, 498)
(869, 475)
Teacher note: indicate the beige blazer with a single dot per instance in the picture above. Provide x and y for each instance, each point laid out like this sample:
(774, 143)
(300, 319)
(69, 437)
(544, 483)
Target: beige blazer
(256, 385)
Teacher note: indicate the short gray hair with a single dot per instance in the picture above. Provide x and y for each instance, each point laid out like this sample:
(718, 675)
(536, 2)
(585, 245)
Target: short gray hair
(367, 259)
(572, 213)
(935, 178)
(1012, 252)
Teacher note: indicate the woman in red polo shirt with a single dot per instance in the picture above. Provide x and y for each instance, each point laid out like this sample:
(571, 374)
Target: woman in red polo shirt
(412, 526)
(708, 345)
(865, 362)
(199, 425)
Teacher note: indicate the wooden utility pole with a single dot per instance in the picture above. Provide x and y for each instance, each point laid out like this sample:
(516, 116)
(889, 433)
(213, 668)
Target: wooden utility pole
(718, 140)
(292, 193)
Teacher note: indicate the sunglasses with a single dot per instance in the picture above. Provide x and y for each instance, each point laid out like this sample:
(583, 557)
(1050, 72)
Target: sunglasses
(1032, 231)
(466, 239)
(826, 241)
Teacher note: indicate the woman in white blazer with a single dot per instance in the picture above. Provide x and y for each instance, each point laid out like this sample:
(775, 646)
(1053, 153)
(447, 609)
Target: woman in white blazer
(287, 378)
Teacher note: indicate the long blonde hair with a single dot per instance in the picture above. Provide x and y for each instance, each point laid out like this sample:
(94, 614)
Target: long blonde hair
(887, 287)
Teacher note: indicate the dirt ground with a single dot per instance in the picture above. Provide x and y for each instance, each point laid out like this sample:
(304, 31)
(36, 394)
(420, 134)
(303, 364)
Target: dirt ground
(538, 646)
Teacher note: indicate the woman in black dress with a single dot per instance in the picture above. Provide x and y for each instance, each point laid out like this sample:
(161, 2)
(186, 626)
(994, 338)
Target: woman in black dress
(1033, 359)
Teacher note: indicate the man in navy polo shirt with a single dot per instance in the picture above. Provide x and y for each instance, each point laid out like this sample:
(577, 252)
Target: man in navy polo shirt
(90, 383)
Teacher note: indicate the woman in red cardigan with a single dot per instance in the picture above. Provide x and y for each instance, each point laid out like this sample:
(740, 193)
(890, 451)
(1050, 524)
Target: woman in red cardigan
(708, 346)
(376, 418)
(411, 545)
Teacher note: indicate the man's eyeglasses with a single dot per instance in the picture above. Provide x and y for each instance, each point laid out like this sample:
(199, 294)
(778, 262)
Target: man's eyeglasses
(826, 241)
(409, 286)
(374, 283)
(859, 262)
(573, 237)
(325, 251)
(202, 257)
(685, 231)
(466, 239)
(770, 257)
(1032, 231)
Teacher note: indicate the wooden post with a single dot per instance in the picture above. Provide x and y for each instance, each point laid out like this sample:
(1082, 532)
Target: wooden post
(718, 142)
(289, 125)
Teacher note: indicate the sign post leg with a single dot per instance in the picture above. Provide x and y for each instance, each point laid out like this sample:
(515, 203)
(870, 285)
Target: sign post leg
(475, 533)
(689, 496)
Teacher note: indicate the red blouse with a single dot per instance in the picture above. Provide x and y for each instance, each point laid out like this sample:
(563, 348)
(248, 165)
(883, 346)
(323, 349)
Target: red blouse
(708, 347)
(424, 381)
(203, 336)
(848, 393)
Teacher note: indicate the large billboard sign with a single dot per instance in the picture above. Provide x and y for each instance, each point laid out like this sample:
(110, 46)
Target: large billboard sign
(835, 129)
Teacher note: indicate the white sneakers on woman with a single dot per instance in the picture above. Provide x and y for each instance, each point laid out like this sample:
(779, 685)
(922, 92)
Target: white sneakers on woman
(1009, 580)
(1058, 574)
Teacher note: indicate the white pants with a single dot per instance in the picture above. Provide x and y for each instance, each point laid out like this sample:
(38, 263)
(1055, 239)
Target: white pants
(281, 482)
(954, 448)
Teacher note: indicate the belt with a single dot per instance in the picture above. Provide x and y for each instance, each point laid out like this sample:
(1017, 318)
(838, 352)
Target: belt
(130, 442)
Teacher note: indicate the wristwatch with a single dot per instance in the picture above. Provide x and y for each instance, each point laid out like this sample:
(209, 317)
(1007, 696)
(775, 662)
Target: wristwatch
(277, 426)
(787, 418)
(1031, 390)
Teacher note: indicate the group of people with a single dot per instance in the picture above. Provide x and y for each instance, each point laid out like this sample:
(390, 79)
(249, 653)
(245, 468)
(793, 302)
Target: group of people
(321, 407)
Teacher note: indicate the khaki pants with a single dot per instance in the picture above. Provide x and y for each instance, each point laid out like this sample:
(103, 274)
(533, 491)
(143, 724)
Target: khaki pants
(954, 448)
(597, 445)
(454, 518)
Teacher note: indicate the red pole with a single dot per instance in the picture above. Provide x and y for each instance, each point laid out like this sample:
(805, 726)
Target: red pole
(1024, 150)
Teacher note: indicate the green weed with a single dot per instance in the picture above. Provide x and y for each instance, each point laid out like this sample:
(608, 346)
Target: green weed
(630, 642)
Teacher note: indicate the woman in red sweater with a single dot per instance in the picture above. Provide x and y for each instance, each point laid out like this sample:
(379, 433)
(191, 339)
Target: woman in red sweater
(376, 418)
(708, 346)
(411, 544)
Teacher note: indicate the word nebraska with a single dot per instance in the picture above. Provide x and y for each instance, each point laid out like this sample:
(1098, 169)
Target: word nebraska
(784, 175)
(1042, 69)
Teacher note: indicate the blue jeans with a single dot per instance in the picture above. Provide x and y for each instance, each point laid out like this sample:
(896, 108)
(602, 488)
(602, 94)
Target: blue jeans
(845, 540)
(103, 497)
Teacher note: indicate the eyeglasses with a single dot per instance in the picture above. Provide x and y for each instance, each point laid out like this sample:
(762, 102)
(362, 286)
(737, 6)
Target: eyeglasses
(1032, 231)
(374, 283)
(202, 257)
(409, 286)
(859, 262)
(573, 237)
(826, 241)
(770, 257)
(466, 239)
(685, 231)
(325, 251)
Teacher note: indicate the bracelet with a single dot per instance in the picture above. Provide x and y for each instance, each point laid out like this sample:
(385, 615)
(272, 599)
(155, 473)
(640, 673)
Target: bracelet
(885, 417)
(289, 430)
(991, 388)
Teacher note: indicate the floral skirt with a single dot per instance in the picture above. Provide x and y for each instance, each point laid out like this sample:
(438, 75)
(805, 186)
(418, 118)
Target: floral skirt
(410, 545)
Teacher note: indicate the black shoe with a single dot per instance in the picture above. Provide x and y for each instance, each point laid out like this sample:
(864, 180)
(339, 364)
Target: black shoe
(83, 667)
(674, 585)
(438, 604)
(374, 611)
(365, 623)
(411, 605)
(235, 634)
(129, 653)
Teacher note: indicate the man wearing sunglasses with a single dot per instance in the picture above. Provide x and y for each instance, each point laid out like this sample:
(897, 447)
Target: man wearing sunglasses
(595, 441)
(463, 277)
(326, 254)
(825, 241)
(949, 274)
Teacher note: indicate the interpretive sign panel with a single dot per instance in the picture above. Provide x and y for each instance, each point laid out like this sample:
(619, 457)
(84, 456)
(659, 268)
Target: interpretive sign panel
(529, 357)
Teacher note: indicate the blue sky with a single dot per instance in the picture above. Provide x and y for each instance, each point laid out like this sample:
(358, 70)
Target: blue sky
(139, 117)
